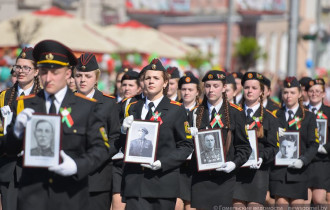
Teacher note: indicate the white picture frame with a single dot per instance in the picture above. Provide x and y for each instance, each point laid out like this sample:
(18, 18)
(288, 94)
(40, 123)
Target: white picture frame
(254, 156)
(42, 142)
(289, 150)
(209, 149)
(141, 142)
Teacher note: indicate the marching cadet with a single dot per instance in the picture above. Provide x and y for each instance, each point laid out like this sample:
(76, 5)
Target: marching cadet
(303, 83)
(156, 185)
(84, 140)
(268, 103)
(319, 182)
(174, 76)
(252, 182)
(239, 94)
(288, 184)
(190, 91)
(27, 83)
(214, 188)
(131, 89)
(231, 89)
(86, 75)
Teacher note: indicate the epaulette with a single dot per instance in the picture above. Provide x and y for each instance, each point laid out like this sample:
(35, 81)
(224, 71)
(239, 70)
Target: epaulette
(25, 97)
(236, 106)
(176, 103)
(109, 96)
(127, 108)
(274, 112)
(125, 99)
(85, 97)
(194, 108)
(271, 113)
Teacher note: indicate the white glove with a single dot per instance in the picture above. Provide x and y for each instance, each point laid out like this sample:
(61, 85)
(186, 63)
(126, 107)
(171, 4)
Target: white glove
(67, 168)
(257, 165)
(227, 167)
(127, 124)
(5, 110)
(154, 166)
(193, 131)
(298, 164)
(322, 150)
(21, 120)
(281, 132)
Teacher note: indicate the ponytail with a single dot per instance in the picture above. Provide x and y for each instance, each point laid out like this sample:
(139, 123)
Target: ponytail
(260, 130)
(13, 91)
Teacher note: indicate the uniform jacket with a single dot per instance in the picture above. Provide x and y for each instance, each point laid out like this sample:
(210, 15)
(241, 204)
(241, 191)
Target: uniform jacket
(173, 147)
(101, 179)
(41, 189)
(308, 146)
(272, 105)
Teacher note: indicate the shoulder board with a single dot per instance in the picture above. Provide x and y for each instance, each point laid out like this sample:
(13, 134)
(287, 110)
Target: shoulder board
(127, 108)
(109, 96)
(236, 106)
(176, 103)
(194, 108)
(271, 113)
(125, 99)
(84, 97)
(274, 112)
(134, 102)
(25, 97)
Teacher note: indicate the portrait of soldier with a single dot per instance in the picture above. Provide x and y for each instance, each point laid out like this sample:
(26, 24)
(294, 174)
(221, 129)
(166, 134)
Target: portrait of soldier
(288, 147)
(141, 146)
(210, 154)
(44, 136)
(321, 131)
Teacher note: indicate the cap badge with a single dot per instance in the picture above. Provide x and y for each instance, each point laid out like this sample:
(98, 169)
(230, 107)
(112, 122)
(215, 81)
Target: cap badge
(23, 55)
(250, 75)
(210, 76)
(187, 79)
(126, 70)
(153, 66)
(311, 83)
(83, 67)
(289, 84)
(49, 56)
(259, 76)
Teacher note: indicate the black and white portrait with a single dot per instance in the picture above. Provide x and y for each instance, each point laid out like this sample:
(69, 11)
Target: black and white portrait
(289, 148)
(42, 141)
(209, 149)
(253, 159)
(322, 125)
(141, 142)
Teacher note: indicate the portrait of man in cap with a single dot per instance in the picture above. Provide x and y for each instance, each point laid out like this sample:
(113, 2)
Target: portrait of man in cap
(141, 146)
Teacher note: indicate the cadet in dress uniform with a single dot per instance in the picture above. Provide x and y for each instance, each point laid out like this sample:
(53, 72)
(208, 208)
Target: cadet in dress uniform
(239, 93)
(318, 170)
(252, 182)
(27, 83)
(84, 141)
(214, 188)
(156, 185)
(174, 75)
(303, 83)
(231, 89)
(190, 91)
(119, 94)
(86, 75)
(269, 104)
(289, 183)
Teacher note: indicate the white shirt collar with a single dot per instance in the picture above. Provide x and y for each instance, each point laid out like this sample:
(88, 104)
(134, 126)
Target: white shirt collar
(294, 110)
(191, 107)
(254, 108)
(156, 102)
(217, 107)
(318, 106)
(239, 97)
(173, 98)
(26, 92)
(306, 103)
(91, 94)
(265, 103)
(59, 96)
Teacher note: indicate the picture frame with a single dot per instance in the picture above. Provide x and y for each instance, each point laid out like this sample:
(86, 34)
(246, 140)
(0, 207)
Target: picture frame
(322, 127)
(289, 150)
(141, 142)
(42, 141)
(209, 149)
(254, 156)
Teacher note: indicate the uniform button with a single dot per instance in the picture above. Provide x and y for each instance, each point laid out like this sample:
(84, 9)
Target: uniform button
(74, 131)
(50, 180)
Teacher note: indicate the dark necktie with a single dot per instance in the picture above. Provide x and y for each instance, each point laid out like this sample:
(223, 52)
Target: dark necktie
(52, 109)
(149, 114)
(22, 94)
(314, 110)
(214, 112)
(290, 112)
(249, 112)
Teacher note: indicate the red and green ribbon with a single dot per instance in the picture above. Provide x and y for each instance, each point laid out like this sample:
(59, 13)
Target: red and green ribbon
(156, 117)
(217, 120)
(295, 121)
(320, 115)
(256, 122)
(66, 117)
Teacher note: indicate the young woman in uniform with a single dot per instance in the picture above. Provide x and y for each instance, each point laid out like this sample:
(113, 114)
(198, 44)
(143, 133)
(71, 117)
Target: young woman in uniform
(288, 184)
(174, 75)
(211, 189)
(231, 88)
(252, 182)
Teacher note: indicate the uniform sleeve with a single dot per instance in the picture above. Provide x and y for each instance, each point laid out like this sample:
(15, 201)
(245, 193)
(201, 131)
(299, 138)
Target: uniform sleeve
(270, 142)
(312, 140)
(96, 151)
(183, 140)
(241, 143)
(113, 129)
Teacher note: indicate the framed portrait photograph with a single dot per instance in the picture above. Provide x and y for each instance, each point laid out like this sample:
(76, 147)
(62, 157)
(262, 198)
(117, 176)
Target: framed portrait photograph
(322, 127)
(209, 149)
(42, 142)
(141, 142)
(289, 148)
(253, 159)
